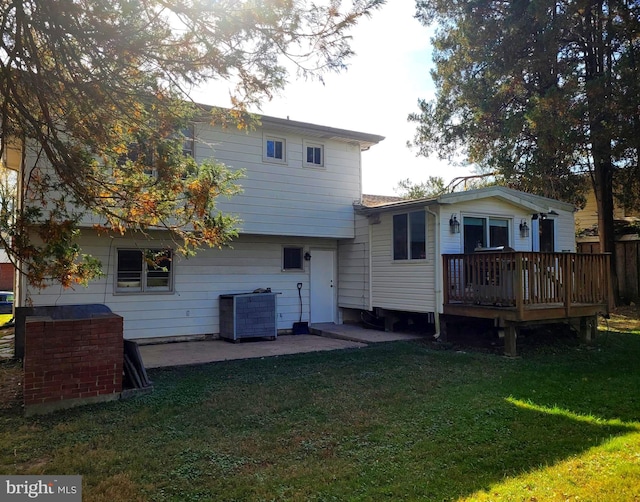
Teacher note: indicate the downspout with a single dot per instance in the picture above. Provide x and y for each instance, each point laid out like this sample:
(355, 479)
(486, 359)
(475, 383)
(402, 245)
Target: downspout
(370, 265)
(438, 271)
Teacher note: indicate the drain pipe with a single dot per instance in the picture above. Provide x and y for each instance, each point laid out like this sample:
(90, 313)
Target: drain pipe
(438, 272)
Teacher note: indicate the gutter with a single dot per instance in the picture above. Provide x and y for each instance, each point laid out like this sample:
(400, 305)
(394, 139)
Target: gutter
(438, 272)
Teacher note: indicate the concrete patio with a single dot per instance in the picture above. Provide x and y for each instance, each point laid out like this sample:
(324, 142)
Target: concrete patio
(322, 337)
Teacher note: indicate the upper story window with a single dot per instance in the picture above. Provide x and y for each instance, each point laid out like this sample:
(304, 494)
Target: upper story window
(188, 141)
(409, 236)
(144, 152)
(314, 154)
(144, 271)
(275, 149)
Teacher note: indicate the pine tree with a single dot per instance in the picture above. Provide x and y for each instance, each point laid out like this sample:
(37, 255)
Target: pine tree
(97, 92)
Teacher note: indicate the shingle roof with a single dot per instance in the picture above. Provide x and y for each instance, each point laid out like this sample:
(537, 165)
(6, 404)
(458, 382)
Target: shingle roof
(378, 200)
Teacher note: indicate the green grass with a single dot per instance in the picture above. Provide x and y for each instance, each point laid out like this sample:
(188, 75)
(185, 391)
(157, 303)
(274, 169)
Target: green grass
(396, 421)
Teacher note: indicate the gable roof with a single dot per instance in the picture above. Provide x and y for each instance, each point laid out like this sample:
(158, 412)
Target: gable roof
(535, 203)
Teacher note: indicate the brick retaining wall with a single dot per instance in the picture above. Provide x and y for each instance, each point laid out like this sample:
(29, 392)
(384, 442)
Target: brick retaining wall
(72, 362)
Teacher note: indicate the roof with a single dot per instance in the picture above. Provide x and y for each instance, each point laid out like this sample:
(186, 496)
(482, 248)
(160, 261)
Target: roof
(534, 203)
(365, 140)
(379, 200)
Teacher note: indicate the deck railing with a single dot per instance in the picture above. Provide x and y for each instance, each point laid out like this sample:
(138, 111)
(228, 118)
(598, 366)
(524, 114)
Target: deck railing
(526, 279)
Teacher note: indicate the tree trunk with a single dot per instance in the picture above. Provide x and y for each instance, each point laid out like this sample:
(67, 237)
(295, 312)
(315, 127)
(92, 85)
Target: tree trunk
(603, 181)
(598, 91)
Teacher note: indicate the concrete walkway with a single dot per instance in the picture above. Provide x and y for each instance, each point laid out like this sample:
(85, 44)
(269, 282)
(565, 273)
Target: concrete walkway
(322, 337)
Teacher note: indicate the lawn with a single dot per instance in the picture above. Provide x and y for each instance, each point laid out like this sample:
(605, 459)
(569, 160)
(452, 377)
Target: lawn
(397, 421)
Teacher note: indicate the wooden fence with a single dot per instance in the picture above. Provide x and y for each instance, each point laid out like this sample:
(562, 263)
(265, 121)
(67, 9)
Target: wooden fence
(627, 266)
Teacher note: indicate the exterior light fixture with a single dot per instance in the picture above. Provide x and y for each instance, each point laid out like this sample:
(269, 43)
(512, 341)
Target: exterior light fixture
(454, 224)
(307, 256)
(524, 229)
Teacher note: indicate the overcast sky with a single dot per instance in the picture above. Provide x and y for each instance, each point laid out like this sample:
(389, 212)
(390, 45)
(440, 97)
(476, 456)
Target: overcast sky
(382, 85)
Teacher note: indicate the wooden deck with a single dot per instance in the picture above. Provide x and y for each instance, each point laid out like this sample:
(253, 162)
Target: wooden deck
(524, 287)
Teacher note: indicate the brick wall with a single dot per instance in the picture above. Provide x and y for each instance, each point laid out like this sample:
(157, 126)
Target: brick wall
(71, 362)
(6, 276)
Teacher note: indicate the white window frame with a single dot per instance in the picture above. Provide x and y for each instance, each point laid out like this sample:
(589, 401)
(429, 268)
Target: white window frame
(487, 229)
(312, 144)
(275, 160)
(409, 257)
(143, 287)
(286, 269)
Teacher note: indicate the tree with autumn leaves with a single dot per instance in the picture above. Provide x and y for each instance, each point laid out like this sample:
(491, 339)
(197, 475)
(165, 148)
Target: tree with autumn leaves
(97, 93)
(542, 92)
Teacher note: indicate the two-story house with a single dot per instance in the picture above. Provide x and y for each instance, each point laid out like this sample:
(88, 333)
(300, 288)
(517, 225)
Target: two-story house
(301, 181)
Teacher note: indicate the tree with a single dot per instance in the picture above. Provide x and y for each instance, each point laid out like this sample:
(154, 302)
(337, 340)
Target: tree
(98, 93)
(433, 187)
(540, 91)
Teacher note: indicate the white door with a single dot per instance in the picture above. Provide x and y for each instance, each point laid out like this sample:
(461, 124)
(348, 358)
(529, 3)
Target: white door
(323, 287)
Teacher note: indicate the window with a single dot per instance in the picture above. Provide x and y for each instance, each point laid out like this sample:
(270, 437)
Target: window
(314, 154)
(498, 232)
(275, 149)
(409, 236)
(143, 270)
(485, 232)
(144, 153)
(188, 142)
(292, 258)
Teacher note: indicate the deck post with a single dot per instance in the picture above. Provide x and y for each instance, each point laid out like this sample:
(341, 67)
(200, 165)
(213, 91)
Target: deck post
(444, 326)
(588, 328)
(567, 282)
(445, 280)
(510, 335)
(519, 285)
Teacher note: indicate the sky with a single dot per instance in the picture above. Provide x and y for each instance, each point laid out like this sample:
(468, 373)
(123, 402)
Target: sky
(379, 89)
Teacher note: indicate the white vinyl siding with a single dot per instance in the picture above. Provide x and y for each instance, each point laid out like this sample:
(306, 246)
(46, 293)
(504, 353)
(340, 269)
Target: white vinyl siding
(290, 200)
(192, 309)
(410, 286)
(498, 209)
(405, 285)
(281, 198)
(353, 268)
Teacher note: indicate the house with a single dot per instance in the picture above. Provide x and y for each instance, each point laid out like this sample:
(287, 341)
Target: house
(330, 253)
(627, 244)
(9, 167)
(299, 187)
(444, 257)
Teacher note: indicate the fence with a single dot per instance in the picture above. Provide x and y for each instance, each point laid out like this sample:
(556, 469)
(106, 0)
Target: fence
(627, 266)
